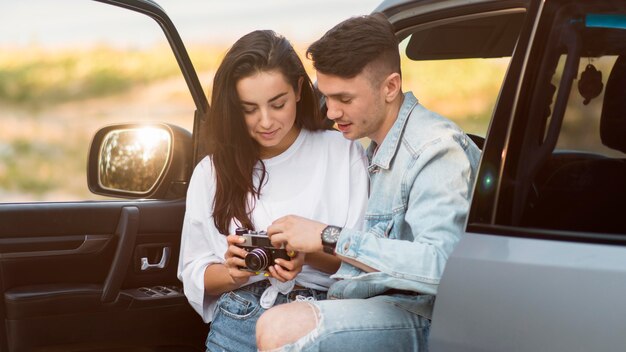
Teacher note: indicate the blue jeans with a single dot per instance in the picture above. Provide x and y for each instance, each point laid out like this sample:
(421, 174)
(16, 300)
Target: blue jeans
(234, 323)
(379, 323)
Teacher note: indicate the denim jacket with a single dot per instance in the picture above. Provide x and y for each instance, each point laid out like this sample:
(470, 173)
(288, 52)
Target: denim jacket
(421, 179)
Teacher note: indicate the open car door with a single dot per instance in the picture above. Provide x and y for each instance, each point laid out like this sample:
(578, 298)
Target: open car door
(545, 229)
(80, 272)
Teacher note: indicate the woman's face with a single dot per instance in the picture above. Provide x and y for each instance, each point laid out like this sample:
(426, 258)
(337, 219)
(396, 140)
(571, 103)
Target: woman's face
(269, 102)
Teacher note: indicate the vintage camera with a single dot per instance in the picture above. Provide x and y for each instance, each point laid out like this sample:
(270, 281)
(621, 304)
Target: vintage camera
(261, 253)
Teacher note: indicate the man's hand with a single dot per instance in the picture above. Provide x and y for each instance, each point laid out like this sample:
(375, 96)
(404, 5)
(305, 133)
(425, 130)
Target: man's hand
(297, 234)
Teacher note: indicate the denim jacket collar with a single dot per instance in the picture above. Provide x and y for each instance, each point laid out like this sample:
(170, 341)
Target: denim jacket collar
(388, 148)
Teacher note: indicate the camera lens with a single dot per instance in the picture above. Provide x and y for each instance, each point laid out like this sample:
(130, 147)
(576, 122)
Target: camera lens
(257, 259)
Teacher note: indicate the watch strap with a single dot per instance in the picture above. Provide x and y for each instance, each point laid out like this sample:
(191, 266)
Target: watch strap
(329, 248)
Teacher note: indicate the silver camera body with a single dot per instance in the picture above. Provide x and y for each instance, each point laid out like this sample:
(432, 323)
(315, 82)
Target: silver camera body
(261, 253)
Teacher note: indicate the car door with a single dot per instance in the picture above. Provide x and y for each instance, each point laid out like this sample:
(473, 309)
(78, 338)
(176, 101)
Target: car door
(79, 271)
(542, 265)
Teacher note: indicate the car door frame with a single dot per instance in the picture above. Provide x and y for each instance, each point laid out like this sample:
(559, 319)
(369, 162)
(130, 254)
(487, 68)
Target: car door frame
(509, 285)
(42, 243)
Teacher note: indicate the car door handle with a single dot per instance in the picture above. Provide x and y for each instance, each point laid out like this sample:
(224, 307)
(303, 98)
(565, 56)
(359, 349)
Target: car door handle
(165, 256)
(126, 232)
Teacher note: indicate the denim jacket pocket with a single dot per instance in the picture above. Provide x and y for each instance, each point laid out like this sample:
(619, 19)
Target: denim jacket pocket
(389, 228)
(380, 225)
(239, 304)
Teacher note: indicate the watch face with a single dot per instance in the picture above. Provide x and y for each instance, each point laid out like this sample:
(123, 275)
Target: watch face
(331, 234)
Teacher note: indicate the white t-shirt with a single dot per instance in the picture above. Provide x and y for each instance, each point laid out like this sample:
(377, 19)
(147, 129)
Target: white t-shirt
(321, 176)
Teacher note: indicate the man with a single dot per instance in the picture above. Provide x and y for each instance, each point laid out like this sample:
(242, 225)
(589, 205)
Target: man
(422, 168)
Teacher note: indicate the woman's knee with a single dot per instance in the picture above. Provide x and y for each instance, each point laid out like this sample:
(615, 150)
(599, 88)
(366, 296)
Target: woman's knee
(284, 324)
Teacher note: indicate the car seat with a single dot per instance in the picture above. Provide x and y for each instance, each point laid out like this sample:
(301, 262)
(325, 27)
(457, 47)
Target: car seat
(590, 194)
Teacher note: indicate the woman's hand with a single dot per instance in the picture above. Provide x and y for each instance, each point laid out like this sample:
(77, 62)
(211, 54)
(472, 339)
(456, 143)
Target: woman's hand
(285, 270)
(235, 259)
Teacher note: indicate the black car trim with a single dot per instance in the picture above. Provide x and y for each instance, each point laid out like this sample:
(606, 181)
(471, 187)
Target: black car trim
(547, 234)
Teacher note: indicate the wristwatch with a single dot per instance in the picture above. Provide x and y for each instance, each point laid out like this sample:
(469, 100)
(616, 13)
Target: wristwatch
(330, 235)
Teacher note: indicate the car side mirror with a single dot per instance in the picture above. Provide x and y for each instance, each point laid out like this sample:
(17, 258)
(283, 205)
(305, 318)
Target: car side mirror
(140, 161)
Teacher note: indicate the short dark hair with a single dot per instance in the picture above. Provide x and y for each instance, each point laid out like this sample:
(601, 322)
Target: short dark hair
(346, 49)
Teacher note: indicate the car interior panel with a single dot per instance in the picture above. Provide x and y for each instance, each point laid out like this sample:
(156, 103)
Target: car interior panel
(87, 288)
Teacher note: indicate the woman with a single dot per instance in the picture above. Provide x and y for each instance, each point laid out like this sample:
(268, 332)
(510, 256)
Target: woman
(270, 155)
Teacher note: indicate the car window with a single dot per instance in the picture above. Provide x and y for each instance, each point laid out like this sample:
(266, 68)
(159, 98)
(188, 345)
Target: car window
(580, 130)
(455, 65)
(61, 80)
(572, 168)
(463, 90)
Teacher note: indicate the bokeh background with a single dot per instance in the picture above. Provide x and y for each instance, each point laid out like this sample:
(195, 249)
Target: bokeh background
(69, 67)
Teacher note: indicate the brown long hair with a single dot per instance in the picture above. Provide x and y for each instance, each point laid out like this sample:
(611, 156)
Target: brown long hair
(234, 152)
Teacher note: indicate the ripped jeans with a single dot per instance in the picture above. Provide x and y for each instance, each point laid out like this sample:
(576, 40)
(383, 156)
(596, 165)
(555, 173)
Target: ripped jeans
(379, 323)
(236, 314)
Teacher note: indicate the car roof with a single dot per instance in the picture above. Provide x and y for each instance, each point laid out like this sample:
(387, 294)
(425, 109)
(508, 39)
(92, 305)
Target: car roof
(389, 7)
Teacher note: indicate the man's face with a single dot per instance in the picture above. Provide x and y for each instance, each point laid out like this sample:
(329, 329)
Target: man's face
(354, 104)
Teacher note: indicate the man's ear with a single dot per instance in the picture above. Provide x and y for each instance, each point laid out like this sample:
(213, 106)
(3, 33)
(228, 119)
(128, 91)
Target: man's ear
(299, 91)
(392, 86)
